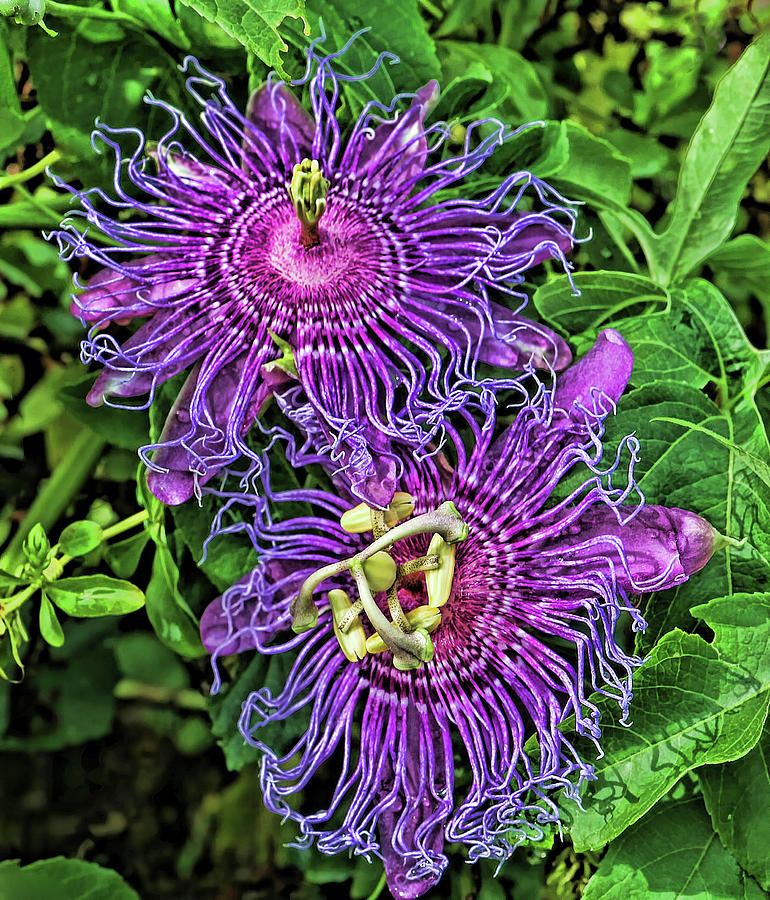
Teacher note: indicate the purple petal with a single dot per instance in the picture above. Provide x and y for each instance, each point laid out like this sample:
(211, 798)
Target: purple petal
(288, 127)
(113, 296)
(136, 371)
(180, 433)
(412, 827)
(535, 237)
(659, 548)
(516, 341)
(365, 462)
(605, 369)
(403, 138)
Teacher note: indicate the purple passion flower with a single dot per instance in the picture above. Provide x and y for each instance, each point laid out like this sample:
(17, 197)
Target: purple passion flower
(454, 635)
(282, 237)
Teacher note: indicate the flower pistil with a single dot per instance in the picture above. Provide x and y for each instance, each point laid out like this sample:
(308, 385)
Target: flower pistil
(373, 570)
(307, 190)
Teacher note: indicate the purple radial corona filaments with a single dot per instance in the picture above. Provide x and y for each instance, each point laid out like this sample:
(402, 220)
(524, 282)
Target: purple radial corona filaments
(283, 237)
(480, 609)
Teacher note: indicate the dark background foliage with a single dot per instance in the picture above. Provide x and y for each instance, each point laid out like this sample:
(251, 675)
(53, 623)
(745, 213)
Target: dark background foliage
(110, 751)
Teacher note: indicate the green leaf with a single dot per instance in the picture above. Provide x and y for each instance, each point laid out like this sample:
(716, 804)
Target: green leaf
(12, 122)
(225, 708)
(695, 703)
(122, 428)
(62, 879)
(737, 797)
(595, 171)
(169, 614)
(79, 538)
(229, 557)
(87, 596)
(742, 266)
(79, 80)
(758, 466)
(142, 657)
(515, 92)
(9, 581)
(671, 853)
(729, 145)
(604, 296)
(69, 701)
(50, 629)
(253, 24)
(123, 556)
(158, 16)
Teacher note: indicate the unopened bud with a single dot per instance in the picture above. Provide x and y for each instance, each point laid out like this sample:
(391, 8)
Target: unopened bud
(37, 547)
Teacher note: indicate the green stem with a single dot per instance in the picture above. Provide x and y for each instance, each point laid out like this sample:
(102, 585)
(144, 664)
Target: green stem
(26, 174)
(379, 887)
(125, 524)
(56, 494)
(65, 11)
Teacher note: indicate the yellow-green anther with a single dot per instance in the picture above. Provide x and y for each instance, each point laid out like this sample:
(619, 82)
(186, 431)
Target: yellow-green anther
(357, 520)
(360, 519)
(401, 507)
(352, 639)
(439, 581)
(380, 571)
(308, 191)
(425, 618)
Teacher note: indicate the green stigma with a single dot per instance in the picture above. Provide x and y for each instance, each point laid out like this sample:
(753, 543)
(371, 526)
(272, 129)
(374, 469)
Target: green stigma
(308, 191)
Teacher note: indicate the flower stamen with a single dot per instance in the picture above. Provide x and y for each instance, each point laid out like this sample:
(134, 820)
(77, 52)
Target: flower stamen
(307, 190)
(406, 635)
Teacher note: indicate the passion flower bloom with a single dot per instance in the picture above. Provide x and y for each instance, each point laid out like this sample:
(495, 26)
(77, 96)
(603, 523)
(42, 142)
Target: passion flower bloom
(358, 258)
(486, 618)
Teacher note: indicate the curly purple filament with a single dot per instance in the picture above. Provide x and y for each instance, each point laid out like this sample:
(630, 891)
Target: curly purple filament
(388, 314)
(527, 634)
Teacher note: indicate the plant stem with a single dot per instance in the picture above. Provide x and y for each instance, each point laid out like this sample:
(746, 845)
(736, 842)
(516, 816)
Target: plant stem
(37, 169)
(56, 494)
(65, 11)
(125, 524)
(379, 887)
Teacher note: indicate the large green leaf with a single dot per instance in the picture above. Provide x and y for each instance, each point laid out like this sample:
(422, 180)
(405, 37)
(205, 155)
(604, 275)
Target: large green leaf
(80, 77)
(729, 145)
(514, 93)
(253, 24)
(671, 853)
(62, 879)
(684, 340)
(737, 796)
(695, 703)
